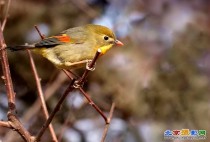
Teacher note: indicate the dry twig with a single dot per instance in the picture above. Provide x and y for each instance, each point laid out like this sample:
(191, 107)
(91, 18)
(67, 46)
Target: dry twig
(35, 108)
(40, 92)
(13, 122)
(41, 96)
(55, 110)
(49, 91)
(108, 124)
(12, 118)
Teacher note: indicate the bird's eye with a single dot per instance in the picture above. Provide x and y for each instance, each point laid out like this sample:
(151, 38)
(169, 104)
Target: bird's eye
(106, 37)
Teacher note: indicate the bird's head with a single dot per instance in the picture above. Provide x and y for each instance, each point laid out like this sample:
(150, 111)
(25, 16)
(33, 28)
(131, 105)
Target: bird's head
(105, 37)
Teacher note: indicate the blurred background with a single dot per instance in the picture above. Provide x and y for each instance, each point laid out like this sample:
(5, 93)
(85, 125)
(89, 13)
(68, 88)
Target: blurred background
(159, 80)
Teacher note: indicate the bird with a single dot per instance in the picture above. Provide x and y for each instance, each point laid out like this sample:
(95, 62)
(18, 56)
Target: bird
(74, 47)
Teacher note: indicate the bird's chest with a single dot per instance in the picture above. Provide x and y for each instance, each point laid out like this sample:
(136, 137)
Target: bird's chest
(70, 56)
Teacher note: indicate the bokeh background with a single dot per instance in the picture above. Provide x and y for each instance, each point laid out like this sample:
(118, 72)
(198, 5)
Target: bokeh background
(159, 80)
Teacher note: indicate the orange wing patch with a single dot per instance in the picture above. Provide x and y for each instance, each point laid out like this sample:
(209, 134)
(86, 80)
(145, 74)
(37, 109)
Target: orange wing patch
(53, 41)
(63, 38)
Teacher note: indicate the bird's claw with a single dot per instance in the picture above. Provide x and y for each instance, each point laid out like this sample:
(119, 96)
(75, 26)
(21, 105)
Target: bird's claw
(90, 68)
(77, 84)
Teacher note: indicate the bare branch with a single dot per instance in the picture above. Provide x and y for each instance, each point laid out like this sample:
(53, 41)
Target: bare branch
(41, 96)
(13, 120)
(52, 87)
(5, 124)
(55, 110)
(39, 88)
(40, 34)
(35, 108)
(93, 104)
(108, 124)
(18, 127)
(70, 76)
(6, 75)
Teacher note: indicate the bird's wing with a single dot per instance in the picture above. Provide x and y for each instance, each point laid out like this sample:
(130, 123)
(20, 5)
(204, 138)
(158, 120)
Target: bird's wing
(53, 41)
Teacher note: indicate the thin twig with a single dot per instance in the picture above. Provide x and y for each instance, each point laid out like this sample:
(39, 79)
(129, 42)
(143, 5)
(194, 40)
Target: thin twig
(6, 15)
(52, 87)
(40, 92)
(82, 80)
(41, 96)
(12, 118)
(93, 104)
(7, 75)
(70, 76)
(18, 127)
(108, 124)
(36, 106)
(55, 110)
(40, 34)
(5, 124)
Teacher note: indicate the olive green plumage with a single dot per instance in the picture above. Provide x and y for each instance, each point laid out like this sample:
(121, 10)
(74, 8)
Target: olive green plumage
(72, 48)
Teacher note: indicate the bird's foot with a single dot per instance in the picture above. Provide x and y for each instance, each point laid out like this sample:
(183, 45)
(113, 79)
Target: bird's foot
(78, 84)
(88, 66)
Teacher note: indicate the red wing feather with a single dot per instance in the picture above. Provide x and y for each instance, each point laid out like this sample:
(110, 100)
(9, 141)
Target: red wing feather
(53, 41)
(63, 38)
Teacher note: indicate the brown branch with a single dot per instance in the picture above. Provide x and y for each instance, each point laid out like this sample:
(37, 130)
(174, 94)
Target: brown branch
(40, 34)
(5, 124)
(93, 104)
(82, 80)
(13, 121)
(52, 87)
(40, 92)
(18, 127)
(35, 108)
(70, 76)
(108, 124)
(55, 110)
(6, 15)
(49, 119)
(6, 75)
(41, 96)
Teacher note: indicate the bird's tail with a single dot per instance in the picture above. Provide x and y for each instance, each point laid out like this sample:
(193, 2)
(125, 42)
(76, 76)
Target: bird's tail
(20, 47)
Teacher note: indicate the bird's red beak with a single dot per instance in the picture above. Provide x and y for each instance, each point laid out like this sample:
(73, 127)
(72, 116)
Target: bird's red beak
(118, 43)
